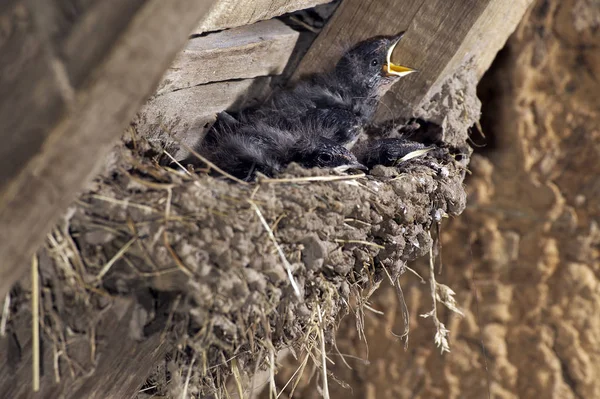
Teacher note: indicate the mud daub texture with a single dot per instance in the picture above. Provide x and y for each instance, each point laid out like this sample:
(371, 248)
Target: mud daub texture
(203, 272)
(203, 239)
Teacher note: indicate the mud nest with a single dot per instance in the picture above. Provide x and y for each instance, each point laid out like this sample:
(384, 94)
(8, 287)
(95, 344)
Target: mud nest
(228, 274)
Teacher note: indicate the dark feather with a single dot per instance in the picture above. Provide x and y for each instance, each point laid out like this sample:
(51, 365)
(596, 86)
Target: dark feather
(313, 123)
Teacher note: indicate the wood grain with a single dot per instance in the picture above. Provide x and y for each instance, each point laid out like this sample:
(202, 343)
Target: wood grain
(259, 49)
(60, 120)
(187, 113)
(108, 375)
(231, 13)
(215, 73)
(441, 36)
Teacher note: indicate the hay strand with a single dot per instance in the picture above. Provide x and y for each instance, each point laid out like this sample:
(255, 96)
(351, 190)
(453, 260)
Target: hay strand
(5, 315)
(114, 259)
(286, 263)
(35, 324)
(309, 179)
(184, 394)
(323, 354)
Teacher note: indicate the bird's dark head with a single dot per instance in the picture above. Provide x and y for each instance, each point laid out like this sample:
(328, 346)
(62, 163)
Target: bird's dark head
(329, 154)
(369, 64)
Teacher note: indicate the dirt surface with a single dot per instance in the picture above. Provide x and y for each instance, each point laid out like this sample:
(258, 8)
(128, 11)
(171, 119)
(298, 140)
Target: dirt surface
(524, 258)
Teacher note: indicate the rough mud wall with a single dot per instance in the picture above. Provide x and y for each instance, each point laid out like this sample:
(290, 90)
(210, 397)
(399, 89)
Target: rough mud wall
(528, 245)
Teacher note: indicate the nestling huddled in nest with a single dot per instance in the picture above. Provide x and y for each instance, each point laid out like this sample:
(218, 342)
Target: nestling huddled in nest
(316, 122)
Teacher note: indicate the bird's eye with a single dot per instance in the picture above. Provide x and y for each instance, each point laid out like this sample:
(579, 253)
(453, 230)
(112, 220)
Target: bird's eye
(325, 158)
(374, 63)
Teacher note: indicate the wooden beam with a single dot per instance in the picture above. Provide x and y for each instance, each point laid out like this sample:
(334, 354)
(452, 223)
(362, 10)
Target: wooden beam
(185, 114)
(117, 368)
(73, 88)
(441, 36)
(223, 70)
(259, 49)
(231, 13)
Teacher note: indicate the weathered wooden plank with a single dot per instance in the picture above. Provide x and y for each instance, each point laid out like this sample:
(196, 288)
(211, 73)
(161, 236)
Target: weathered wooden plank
(79, 52)
(24, 115)
(441, 36)
(490, 32)
(260, 49)
(186, 113)
(107, 375)
(55, 134)
(231, 13)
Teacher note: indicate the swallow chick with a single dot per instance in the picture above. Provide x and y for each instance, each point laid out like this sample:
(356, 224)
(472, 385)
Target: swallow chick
(314, 123)
(341, 101)
(244, 150)
(414, 129)
(387, 152)
(389, 143)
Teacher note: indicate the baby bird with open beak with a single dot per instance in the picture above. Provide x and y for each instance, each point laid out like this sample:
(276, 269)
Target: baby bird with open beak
(343, 100)
(313, 123)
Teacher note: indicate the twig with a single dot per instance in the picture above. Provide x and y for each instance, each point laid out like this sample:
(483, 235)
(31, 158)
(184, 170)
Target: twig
(308, 179)
(144, 182)
(187, 379)
(224, 389)
(300, 368)
(416, 274)
(225, 361)
(5, 315)
(304, 24)
(379, 312)
(439, 242)
(273, 387)
(405, 313)
(124, 203)
(323, 355)
(35, 323)
(168, 204)
(357, 221)
(238, 379)
(441, 335)
(286, 263)
(175, 257)
(93, 343)
(147, 388)
(372, 244)
(176, 162)
(55, 359)
(115, 258)
(341, 355)
(206, 161)
(254, 191)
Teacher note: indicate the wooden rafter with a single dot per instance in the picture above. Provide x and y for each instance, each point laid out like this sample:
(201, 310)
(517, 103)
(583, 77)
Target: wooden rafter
(441, 36)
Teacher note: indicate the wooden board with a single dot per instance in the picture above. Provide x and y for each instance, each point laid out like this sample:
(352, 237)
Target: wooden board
(75, 84)
(186, 113)
(259, 49)
(225, 70)
(72, 91)
(231, 13)
(441, 36)
(108, 375)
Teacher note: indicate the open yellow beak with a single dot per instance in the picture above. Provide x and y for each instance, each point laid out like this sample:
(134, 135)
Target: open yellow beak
(398, 70)
(392, 69)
